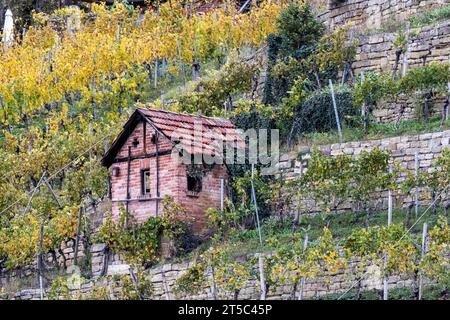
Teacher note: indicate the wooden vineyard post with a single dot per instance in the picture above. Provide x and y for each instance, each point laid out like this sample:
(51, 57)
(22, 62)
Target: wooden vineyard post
(385, 282)
(423, 252)
(390, 201)
(302, 281)
(262, 281)
(212, 278)
(385, 278)
(195, 63)
(52, 192)
(338, 122)
(118, 34)
(347, 65)
(180, 58)
(33, 193)
(135, 282)
(416, 174)
(363, 107)
(39, 261)
(244, 6)
(406, 53)
(77, 237)
(253, 196)
(260, 257)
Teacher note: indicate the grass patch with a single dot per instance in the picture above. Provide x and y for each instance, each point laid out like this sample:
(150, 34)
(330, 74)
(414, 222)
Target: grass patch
(431, 292)
(244, 242)
(429, 17)
(377, 131)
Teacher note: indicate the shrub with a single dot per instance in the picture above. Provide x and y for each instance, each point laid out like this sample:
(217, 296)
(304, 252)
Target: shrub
(128, 290)
(298, 33)
(253, 115)
(192, 281)
(375, 87)
(432, 77)
(431, 16)
(213, 91)
(299, 26)
(140, 242)
(59, 289)
(315, 113)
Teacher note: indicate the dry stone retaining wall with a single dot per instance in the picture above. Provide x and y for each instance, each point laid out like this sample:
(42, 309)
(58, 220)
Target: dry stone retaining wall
(429, 147)
(370, 14)
(27, 276)
(409, 108)
(376, 52)
(329, 284)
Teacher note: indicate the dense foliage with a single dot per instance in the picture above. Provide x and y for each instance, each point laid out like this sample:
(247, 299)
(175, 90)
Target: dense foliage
(315, 114)
(140, 242)
(69, 82)
(291, 263)
(331, 181)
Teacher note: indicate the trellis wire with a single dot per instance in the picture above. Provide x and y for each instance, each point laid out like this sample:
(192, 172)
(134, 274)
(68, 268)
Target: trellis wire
(423, 252)
(260, 257)
(401, 238)
(416, 174)
(59, 171)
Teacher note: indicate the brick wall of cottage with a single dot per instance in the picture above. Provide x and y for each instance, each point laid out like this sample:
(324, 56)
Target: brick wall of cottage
(172, 180)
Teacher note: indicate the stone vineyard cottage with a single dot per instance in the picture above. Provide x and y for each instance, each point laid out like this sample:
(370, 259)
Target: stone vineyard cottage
(147, 163)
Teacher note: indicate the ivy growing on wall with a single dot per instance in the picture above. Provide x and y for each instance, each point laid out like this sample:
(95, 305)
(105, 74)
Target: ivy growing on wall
(140, 243)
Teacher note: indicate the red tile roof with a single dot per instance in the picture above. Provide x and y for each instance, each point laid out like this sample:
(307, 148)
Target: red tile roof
(194, 134)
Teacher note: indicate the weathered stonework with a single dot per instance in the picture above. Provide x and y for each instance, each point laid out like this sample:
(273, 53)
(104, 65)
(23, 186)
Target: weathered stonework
(163, 279)
(372, 14)
(406, 108)
(376, 52)
(429, 147)
(27, 276)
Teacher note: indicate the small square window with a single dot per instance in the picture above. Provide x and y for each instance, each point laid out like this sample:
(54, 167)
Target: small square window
(145, 181)
(194, 184)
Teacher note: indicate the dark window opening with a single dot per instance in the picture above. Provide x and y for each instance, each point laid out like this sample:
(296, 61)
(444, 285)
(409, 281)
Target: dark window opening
(145, 181)
(116, 171)
(135, 142)
(194, 184)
